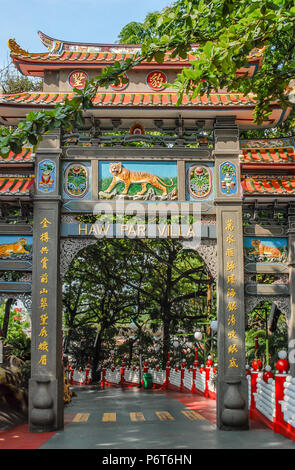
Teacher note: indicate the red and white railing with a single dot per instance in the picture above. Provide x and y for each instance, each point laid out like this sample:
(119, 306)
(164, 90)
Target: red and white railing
(271, 395)
(79, 376)
(182, 379)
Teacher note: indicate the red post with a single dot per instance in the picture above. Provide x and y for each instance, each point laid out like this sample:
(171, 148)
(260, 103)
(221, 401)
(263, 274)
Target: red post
(256, 367)
(279, 391)
(103, 379)
(122, 380)
(195, 366)
(167, 381)
(252, 408)
(183, 364)
(207, 372)
(196, 353)
(256, 345)
(282, 366)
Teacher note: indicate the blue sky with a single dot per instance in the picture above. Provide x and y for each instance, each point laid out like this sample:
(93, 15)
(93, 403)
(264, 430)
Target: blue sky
(161, 169)
(71, 20)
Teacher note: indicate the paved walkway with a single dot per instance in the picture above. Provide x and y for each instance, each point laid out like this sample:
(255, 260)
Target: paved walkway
(118, 418)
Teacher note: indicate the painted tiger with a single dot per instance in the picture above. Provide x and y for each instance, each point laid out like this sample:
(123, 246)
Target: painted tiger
(264, 250)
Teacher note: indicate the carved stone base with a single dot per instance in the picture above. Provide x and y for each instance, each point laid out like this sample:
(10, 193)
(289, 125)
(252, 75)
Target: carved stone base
(233, 412)
(45, 404)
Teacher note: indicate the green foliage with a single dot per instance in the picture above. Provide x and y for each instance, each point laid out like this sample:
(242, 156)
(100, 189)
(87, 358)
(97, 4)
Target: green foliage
(136, 32)
(153, 284)
(81, 346)
(25, 374)
(17, 338)
(12, 81)
(258, 327)
(227, 32)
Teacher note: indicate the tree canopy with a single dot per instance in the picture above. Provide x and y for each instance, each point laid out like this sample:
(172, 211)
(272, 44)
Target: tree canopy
(13, 81)
(152, 284)
(136, 32)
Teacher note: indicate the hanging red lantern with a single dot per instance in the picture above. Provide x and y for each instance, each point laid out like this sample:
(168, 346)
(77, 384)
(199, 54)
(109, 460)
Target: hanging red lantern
(282, 366)
(267, 374)
(257, 364)
(209, 361)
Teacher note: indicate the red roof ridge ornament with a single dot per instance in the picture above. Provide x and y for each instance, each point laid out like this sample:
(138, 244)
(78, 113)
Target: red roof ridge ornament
(15, 48)
(53, 45)
(58, 46)
(257, 52)
(252, 96)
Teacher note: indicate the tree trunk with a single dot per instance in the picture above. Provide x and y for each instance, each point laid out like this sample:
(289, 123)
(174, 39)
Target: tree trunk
(6, 317)
(166, 308)
(96, 370)
(130, 353)
(166, 339)
(68, 339)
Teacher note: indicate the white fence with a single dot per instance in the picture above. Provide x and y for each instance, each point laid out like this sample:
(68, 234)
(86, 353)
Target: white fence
(200, 380)
(131, 375)
(188, 379)
(159, 376)
(265, 399)
(175, 377)
(113, 376)
(288, 403)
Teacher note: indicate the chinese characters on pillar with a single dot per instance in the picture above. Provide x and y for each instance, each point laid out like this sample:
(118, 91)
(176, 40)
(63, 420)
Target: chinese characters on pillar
(44, 292)
(231, 303)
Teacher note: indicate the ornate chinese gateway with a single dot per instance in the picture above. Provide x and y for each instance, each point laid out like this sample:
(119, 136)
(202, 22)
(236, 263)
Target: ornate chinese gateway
(139, 150)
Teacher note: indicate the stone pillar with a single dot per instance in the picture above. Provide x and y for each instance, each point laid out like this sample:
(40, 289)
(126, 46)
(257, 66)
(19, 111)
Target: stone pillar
(232, 387)
(291, 263)
(46, 382)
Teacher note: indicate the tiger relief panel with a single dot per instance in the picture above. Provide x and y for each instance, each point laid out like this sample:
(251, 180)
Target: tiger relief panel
(16, 247)
(265, 253)
(138, 180)
(266, 269)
